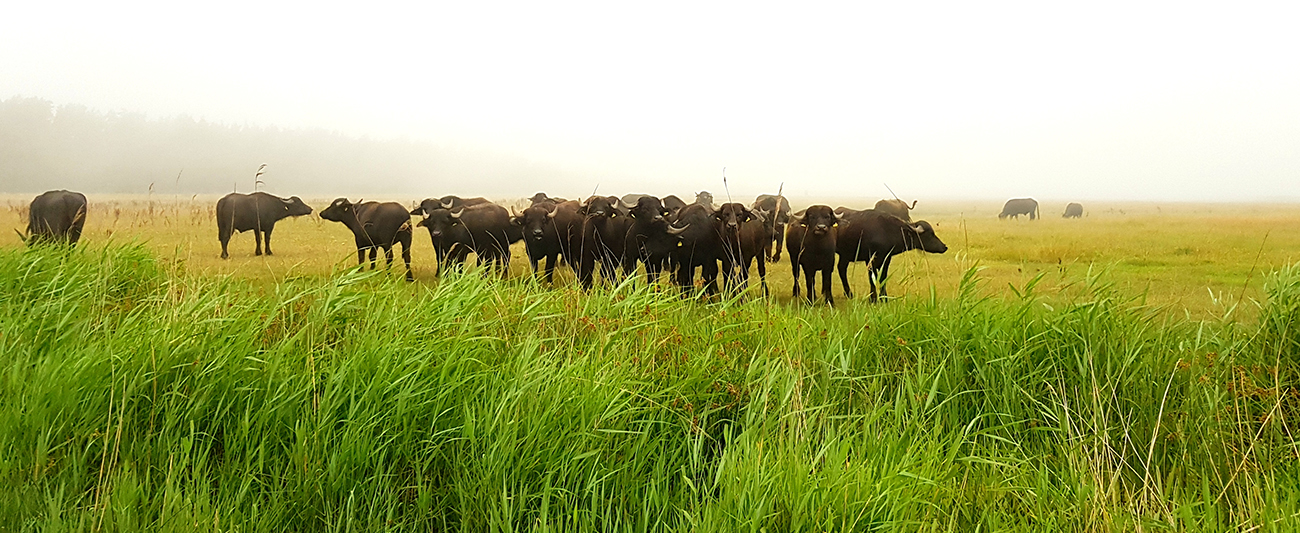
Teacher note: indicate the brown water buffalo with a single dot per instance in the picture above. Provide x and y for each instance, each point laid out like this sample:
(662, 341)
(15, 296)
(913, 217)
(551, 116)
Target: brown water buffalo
(375, 225)
(648, 240)
(896, 207)
(741, 235)
(55, 217)
(876, 238)
(697, 229)
(1019, 206)
(259, 212)
(1073, 210)
(604, 229)
(811, 243)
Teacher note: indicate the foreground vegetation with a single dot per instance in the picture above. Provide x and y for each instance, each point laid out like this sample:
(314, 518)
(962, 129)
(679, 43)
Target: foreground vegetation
(136, 396)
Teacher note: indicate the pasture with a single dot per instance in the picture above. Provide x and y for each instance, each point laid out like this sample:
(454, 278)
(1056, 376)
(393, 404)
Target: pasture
(1135, 370)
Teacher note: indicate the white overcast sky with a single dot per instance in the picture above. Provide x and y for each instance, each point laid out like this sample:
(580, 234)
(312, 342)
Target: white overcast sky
(1087, 100)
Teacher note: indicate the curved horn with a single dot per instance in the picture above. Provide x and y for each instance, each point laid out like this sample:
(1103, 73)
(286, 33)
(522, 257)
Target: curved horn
(673, 230)
(625, 205)
(913, 205)
(551, 213)
(446, 205)
(287, 201)
(456, 214)
(513, 214)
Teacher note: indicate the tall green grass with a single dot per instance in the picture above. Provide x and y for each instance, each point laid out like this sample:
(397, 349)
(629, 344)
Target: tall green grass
(136, 397)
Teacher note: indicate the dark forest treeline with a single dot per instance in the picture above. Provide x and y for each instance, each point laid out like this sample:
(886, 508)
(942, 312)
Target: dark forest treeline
(47, 146)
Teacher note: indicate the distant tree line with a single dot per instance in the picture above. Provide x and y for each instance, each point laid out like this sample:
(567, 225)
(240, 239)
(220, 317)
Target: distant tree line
(47, 146)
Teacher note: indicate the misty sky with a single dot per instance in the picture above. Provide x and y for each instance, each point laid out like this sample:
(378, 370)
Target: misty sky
(1095, 100)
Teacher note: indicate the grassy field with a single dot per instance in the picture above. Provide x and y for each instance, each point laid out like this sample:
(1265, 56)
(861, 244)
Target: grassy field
(1198, 260)
(145, 384)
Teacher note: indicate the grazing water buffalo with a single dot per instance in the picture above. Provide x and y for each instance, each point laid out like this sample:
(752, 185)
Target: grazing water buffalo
(1019, 206)
(446, 202)
(1073, 210)
(547, 231)
(55, 216)
(604, 231)
(774, 225)
(648, 240)
(897, 208)
(484, 229)
(258, 212)
(742, 235)
(876, 238)
(811, 243)
(375, 225)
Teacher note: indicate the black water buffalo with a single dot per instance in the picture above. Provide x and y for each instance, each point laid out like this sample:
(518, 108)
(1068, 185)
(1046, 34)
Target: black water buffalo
(700, 242)
(1019, 206)
(375, 225)
(774, 224)
(547, 231)
(674, 205)
(811, 243)
(258, 212)
(446, 202)
(705, 198)
(876, 237)
(604, 231)
(1073, 210)
(648, 240)
(55, 216)
(842, 211)
(742, 235)
(541, 197)
(484, 229)
(897, 208)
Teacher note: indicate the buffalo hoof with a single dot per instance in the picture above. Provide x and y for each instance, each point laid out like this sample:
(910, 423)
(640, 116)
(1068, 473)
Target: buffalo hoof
(259, 252)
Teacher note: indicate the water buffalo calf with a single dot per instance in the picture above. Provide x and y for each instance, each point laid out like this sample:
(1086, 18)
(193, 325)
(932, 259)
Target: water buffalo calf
(259, 212)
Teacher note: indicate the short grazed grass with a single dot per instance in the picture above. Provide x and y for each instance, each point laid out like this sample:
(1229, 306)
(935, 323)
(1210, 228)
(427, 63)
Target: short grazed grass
(141, 392)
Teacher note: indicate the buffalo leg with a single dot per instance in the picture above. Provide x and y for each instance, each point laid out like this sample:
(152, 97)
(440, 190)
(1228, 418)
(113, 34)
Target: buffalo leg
(762, 274)
(844, 275)
(794, 266)
(388, 254)
(826, 286)
(551, 261)
(780, 241)
(810, 282)
(374, 256)
(268, 241)
(257, 236)
(709, 271)
(361, 255)
(406, 255)
(685, 277)
(586, 271)
(224, 237)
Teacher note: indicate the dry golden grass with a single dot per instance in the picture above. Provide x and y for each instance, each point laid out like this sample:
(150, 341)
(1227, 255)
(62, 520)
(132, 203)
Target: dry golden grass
(1198, 259)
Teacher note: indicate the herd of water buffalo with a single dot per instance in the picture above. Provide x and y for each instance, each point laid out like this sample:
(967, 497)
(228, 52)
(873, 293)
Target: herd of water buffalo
(665, 235)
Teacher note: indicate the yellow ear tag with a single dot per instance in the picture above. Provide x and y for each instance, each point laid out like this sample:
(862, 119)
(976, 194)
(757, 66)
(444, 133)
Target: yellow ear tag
(679, 243)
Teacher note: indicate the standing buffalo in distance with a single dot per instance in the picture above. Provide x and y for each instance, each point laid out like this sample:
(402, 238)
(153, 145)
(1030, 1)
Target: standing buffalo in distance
(897, 208)
(1019, 206)
(55, 216)
(541, 197)
(876, 238)
(604, 231)
(547, 231)
(744, 238)
(259, 212)
(1073, 210)
(484, 229)
(375, 225)
(811, 243)
(674, 205)
(778, 216)
(446, 202)
(705, 198)
(648, 240)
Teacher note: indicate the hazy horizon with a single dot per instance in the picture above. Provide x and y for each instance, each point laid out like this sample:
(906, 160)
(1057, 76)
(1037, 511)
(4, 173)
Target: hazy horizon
(1101, 102)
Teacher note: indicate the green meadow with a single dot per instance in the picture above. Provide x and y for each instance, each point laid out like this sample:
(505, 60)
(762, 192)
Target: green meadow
(1133, 370)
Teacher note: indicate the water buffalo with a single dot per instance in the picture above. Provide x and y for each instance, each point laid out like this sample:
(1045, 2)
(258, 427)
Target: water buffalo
(1019, 206)
(55, 216)
(897, 208)
(648, 240)
(1073, 210)
(547, 231)
(541, 197)
(258, 212)
(696, 227)
(674, 205)
(484, 229)
(774, 225)
(446, 202)
(604, 230)
(811, 243)
(375, 225)
(741, 235)
(876, 238)
(705, 198)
